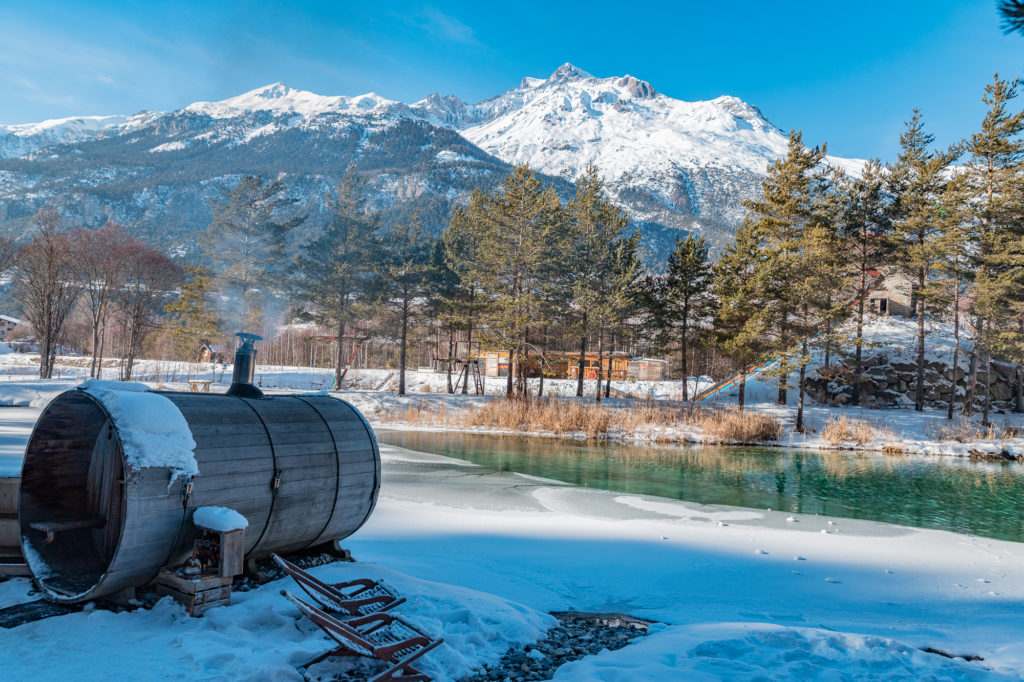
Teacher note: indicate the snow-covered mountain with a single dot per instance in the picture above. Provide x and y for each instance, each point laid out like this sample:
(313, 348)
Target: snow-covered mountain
(673, 164)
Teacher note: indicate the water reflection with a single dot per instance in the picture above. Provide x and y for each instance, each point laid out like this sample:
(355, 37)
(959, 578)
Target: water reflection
(957, 495)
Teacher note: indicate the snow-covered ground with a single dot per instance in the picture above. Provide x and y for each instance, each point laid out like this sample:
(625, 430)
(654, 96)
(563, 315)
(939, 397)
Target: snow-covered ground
(373, 392)
(483, 556)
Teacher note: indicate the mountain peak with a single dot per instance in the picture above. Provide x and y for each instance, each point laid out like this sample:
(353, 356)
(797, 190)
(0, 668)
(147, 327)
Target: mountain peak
(567, 73)
(273, 91)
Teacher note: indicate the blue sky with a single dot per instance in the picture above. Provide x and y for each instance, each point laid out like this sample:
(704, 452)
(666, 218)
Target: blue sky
(845, 73)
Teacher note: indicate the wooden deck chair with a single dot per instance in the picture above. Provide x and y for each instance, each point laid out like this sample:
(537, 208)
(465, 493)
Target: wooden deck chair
(378, 635)
(353, 598)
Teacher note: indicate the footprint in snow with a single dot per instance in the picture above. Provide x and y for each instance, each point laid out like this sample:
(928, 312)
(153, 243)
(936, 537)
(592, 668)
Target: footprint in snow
(792, 519)
(824, 531)
(833, 581)
(799, 558)
(888, 571)
(723, 524)
(982, 580)
(760, 551)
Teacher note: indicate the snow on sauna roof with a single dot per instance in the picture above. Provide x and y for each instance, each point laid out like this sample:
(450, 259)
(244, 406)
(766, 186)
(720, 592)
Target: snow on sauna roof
(153, 431)
(219, 519)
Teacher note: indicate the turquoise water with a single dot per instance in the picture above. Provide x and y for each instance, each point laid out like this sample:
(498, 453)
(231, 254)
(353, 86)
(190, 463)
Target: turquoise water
(957, 495)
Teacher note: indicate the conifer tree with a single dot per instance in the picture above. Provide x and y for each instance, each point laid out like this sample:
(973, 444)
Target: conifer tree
(739, 329)
(338, 271)
(592, 235)
(245, 243)
(684, 295)
(787, 208)
(509, 235)
(406, 273)
(917, 182)
(994, 164)
(956, 245)
(195, 319)
(866, 230)
(615, 296)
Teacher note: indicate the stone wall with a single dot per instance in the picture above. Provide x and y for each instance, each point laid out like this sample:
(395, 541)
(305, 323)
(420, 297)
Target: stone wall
(893, 384)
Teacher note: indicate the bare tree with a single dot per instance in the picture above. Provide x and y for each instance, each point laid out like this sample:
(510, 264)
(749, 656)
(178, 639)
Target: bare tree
(148, 279)
(98, 269)
(46, 287)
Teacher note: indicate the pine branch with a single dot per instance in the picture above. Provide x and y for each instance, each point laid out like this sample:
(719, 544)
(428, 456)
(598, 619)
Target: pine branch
(1012, 13)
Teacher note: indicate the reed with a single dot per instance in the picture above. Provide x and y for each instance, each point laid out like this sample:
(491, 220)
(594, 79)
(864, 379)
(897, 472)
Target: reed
(660, 421)
(843, 429)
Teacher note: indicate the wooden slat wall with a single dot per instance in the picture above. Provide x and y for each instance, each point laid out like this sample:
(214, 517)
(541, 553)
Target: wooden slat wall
(325, 453)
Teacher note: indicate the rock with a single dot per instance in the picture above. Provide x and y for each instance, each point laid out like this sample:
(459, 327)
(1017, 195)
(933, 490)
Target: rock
(1001, 391)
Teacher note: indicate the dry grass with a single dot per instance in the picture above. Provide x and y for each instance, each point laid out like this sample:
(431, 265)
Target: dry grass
(965, 431)
(843, 429)
(570, 417)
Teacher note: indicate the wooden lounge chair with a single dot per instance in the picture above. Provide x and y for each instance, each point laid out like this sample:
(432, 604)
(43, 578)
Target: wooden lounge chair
(378, 635)
(353, 598)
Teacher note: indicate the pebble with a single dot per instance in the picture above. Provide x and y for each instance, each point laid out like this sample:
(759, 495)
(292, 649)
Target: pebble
(568, 641)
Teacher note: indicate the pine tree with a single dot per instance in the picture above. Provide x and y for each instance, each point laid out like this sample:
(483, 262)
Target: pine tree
(615, 296)
(338, 271)
(684, 295)
(956, 245)
(787, 208)
(508, 236)
(406, 273)
(592, 235)
(195, 319)
(245, 243)
(917, 183)
(739, 329)
(995, 159)
(866, 230)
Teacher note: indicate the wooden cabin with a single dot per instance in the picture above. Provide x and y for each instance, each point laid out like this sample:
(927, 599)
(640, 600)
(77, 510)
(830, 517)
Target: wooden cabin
(7, 325)
(895, 295)
(616, 362)
(646, 369)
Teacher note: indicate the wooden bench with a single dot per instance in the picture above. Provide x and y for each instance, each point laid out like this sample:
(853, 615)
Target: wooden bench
(199, 385)
(51, 528)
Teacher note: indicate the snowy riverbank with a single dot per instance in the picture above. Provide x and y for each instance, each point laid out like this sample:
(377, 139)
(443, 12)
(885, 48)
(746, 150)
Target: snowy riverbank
(483, 556)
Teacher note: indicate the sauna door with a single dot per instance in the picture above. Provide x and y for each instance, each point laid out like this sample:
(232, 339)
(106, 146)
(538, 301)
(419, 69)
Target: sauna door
(105, 491)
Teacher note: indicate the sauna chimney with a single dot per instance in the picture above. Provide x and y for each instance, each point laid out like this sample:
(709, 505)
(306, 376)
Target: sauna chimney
(245, 365)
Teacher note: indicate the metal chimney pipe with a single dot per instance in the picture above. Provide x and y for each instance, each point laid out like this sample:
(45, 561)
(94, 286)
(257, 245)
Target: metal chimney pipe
(245, 366)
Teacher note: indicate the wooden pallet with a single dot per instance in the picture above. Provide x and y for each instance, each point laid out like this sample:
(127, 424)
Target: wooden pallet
(197, 595)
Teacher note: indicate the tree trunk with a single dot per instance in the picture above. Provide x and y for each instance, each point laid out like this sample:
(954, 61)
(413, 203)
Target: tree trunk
(988, 388)
(579, 366)
(469, 354)
(685, 369)
(600, 360)
(402, 352)
(919, 389)
(340, 359)
(972, 372)
(859, 341)
(956, 344)
(781, 400)
(451, 334)
(800, 397)
(743, 389)
(543, 361)
(1018, 403)
(508, 381)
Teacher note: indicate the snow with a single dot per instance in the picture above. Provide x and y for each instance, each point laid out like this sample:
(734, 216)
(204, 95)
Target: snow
(482, 556)
(278, 98)
(219, 519)
(152, 430)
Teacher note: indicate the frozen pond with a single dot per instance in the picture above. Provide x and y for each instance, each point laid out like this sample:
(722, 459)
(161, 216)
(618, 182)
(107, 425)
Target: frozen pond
(984, 499)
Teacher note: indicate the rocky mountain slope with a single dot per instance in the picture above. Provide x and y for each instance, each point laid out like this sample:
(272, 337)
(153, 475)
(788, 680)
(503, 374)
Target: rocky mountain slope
(674, 165)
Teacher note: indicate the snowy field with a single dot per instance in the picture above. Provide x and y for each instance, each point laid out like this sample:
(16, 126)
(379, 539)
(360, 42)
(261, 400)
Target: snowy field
(373, 392)
(483, 556)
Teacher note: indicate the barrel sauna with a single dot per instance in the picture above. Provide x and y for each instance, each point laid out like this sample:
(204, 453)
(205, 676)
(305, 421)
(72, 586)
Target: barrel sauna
(303, 469)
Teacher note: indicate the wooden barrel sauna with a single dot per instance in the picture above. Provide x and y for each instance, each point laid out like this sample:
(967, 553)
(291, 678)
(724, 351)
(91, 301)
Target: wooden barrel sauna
(304, 470)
